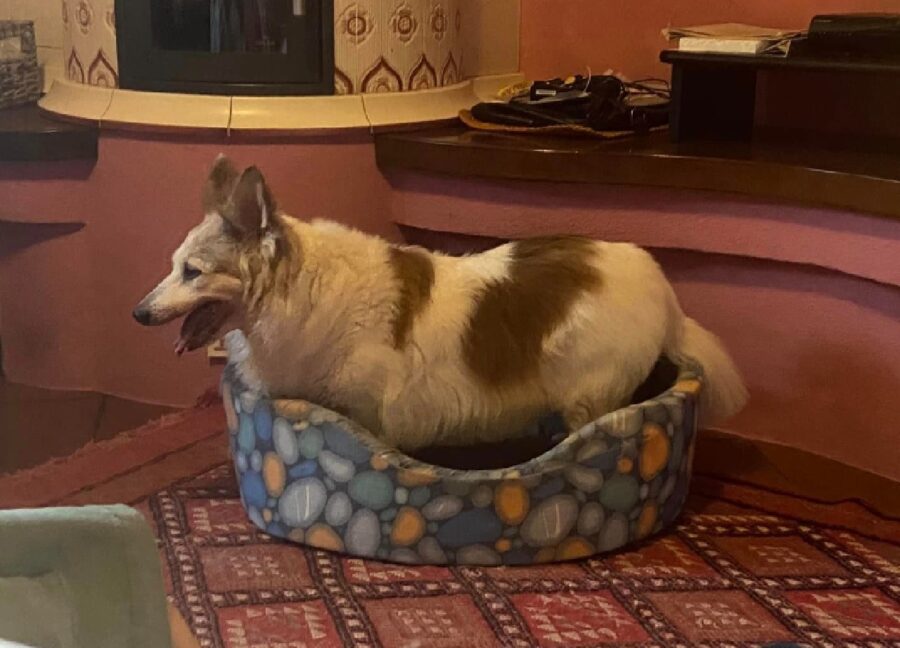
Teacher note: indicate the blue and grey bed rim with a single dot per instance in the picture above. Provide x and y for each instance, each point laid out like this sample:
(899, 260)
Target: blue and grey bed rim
(312, 476)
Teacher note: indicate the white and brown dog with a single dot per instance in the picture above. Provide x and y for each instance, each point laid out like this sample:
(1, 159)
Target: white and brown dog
(421, 348)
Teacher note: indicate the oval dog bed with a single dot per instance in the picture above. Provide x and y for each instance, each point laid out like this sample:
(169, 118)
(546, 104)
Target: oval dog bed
(310, 475)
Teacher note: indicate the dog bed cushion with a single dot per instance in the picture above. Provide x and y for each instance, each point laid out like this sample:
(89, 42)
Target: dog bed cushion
(310, 475)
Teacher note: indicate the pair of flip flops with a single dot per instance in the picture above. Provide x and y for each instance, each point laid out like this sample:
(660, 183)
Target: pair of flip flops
(601, 105)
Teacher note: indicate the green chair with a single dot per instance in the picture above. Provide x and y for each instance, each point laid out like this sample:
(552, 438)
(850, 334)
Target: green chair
(86, 577)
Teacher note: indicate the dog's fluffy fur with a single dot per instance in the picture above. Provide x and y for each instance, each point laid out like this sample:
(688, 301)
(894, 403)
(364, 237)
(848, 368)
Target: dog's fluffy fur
(423, 348)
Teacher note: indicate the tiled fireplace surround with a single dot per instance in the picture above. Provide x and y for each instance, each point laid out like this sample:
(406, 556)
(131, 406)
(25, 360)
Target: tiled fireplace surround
(380, 45)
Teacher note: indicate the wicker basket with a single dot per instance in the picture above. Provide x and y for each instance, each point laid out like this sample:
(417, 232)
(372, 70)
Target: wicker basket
(20, 76)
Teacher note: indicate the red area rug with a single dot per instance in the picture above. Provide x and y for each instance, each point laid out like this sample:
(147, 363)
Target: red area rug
(744, 567)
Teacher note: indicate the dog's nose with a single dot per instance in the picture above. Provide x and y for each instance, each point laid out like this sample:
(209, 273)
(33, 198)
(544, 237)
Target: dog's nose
(141, 315)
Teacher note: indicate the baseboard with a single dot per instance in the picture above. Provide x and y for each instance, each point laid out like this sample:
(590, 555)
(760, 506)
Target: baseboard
(793, 472)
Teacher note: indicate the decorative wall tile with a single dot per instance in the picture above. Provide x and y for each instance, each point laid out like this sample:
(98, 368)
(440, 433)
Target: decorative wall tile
(102, 73)
(434, 33)
(381, 77)
(74, 68)
(423, 75)
(346, 54)
(405, 22)
(84, 16)
(455, 44)
(380, 45)
(89, 42)
(377, 72)
(356, 23)
(439, 20)
(397, 45)
(399, 36)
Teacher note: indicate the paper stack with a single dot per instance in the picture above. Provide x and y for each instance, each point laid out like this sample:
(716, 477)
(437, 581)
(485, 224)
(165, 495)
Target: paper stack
(733, 38)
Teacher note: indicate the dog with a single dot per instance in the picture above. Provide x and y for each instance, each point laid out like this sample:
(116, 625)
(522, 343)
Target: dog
(422, 348)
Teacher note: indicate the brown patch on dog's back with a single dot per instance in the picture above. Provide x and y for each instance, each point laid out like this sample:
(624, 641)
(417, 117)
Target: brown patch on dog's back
(414, 272)
(513, 317)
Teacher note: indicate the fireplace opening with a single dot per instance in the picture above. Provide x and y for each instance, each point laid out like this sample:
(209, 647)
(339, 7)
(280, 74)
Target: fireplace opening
(252, 47)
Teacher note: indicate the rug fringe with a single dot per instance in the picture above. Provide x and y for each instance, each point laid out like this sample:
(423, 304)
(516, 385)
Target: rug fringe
(98, 460)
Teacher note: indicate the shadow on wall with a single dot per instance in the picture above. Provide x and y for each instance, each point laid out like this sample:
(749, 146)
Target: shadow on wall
(749, 272)
(18, 236)
(29, 171)
(814, 376)
(454, 244)
(818, 349)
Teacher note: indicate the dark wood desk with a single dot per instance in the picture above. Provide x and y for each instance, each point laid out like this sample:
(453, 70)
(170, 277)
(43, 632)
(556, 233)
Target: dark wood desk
(866, 182)
(27, 135)
(714, 95)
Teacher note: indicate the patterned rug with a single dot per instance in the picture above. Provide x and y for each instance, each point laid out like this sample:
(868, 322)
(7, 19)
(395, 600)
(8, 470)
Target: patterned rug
(726, 576)
(745, 567)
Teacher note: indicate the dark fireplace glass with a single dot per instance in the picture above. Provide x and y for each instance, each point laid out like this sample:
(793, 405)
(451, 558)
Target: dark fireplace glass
(226, 46)
(222, 25)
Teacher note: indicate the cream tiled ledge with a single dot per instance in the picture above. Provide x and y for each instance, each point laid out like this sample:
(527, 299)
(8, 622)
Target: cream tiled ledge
(116, 108)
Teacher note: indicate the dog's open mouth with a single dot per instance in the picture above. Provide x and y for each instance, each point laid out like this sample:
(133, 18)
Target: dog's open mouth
(201, 325)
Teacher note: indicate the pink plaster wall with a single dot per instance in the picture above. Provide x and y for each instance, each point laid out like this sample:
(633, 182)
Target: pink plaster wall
(856, 244)
(819, 346)
(67, 302)
(566, 37)
(820, 352)
(808, 300)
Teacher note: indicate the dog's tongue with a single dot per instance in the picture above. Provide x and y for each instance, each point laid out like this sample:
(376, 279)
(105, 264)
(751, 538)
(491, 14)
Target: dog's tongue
(200, 325)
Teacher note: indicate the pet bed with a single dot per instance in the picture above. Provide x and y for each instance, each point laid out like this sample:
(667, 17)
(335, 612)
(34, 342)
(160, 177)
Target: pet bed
(309, 475)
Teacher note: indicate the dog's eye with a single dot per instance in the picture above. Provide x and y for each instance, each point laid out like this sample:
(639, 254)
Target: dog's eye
(190, 272)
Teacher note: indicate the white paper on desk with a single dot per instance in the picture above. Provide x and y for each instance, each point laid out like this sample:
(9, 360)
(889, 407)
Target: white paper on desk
(752, 46)
(737, 31)
(732, 38)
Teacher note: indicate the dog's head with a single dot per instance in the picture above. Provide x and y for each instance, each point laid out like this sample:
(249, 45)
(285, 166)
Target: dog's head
(211, 269)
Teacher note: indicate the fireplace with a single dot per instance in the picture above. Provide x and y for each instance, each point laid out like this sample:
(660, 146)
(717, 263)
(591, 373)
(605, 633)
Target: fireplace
(233, 47)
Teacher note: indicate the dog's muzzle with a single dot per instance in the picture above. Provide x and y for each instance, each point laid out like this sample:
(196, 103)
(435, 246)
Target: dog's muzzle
(142, 316)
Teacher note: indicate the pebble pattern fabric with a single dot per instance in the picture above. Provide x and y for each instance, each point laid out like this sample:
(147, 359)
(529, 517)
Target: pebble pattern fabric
(309, 475)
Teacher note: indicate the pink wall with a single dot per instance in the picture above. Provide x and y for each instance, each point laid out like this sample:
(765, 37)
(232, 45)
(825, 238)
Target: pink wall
(568, 36)
(808, 300)
(819, 346)
(67, 302)
(819, 350)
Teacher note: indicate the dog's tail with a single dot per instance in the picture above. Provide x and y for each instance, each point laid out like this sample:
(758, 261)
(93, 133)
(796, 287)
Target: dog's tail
(723, 393)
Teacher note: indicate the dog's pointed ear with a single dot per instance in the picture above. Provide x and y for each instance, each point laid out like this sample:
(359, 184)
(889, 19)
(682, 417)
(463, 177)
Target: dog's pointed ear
(217, 192)
(251, 209)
